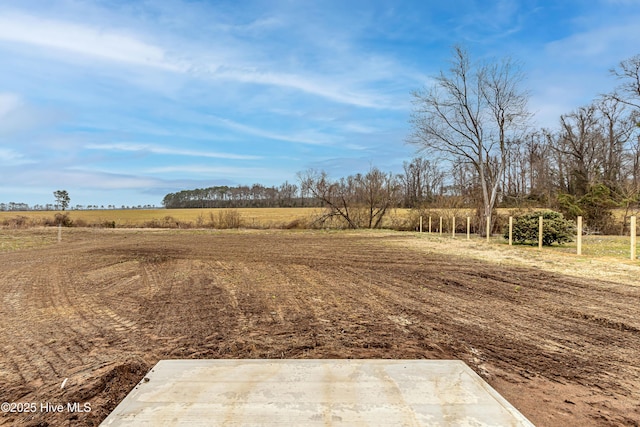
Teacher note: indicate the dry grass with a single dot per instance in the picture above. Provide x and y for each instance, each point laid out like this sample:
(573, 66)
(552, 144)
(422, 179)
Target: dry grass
(250, 217)
(12, 240)
(604, 257)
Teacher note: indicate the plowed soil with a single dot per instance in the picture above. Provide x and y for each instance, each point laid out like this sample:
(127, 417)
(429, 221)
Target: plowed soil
(102, 307)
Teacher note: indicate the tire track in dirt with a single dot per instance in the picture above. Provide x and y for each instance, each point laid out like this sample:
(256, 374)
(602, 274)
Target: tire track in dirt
(105, 309)
(486, 337)
(60, 325)
(34, 342)
(182, 318)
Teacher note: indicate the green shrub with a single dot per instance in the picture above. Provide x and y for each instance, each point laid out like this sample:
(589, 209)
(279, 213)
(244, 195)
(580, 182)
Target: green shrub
(555, 229)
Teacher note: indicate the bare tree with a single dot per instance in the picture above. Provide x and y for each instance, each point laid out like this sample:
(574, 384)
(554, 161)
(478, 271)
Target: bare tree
(539, 167)
(593, 145)
(618, 127)
(634, 162)
(358, 200)
(475, 113)
(421, 181)
(580, 144)
(465, 183)
(333, 195)
(629, 72)
(377, 193)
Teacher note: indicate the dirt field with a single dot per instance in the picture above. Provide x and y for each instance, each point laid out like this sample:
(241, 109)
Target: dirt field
(103, 306)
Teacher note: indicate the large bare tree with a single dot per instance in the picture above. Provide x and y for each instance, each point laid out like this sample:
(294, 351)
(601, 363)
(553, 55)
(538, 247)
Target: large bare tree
(474, 112)
(357, 200)
(628, 71)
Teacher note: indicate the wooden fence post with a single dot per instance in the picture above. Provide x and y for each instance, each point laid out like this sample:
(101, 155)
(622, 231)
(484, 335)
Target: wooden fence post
(453, 227)
(579, 236)
(421, 223)
(510, 231)
(488, 228)
(441, 226)
(633, 237)
(429, 225)
(539, 232)
(468, 228)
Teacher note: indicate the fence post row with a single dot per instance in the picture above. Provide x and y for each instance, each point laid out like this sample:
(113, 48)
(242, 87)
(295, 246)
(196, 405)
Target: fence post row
(579, 230)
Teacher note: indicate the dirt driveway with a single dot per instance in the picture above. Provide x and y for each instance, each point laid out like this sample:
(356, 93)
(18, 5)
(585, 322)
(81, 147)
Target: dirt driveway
(100, 308)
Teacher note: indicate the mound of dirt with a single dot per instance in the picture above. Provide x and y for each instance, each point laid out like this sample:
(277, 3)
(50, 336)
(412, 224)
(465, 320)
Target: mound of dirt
(88, 396)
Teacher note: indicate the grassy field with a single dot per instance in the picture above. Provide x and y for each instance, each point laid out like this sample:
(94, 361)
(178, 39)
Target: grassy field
(12, 240)
(615, 247)
(249, 217)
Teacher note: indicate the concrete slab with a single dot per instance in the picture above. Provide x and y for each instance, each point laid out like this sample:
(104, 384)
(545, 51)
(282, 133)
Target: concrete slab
(313, 393)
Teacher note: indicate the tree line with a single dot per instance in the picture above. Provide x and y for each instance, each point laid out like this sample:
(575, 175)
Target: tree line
(18, 206)
(241, 196)
(420, 183)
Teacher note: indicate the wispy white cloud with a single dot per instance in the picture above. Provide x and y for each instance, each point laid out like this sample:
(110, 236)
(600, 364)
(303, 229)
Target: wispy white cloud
(359, 128)
(156, 149)
(79, 178)
(309, 137)
(9, 157)
(308, 84)
(227, 171)
(357, 147)
(484, 23)
(599, 44)
(226, 59)
(83, 40)
(257, 26)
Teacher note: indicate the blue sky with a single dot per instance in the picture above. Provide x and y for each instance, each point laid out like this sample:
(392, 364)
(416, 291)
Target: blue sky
(120, 102)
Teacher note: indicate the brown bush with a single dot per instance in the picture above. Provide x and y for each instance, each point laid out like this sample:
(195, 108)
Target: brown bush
(166, 222)
(228, 218)
(19, 221)
(297, 224)
(59, 219)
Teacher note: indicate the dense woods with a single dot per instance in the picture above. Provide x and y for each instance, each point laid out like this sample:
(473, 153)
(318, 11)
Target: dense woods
(242, 196)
